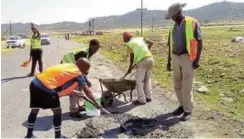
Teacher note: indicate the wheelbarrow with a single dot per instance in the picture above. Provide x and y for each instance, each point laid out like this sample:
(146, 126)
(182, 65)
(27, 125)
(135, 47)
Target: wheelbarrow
(115, 88)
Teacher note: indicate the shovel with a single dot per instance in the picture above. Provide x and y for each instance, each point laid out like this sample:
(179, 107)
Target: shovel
(110, 114)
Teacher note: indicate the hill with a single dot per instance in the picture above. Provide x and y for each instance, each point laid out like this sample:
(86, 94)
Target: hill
(216, 12)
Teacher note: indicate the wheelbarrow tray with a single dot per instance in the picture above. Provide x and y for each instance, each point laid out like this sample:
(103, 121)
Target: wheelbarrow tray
(118, 85)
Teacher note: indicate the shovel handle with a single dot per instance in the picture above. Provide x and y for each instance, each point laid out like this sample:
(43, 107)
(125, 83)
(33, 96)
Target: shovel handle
(127, 72)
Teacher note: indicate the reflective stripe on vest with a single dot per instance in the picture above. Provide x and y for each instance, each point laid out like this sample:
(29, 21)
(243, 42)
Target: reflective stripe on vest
(56, 76)
(191, 42)
(36, 43)
(139, 48)
(70, 57)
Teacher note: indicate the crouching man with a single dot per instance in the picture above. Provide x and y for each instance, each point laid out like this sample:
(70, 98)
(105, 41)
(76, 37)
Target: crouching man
(53, 83)
(82, 52)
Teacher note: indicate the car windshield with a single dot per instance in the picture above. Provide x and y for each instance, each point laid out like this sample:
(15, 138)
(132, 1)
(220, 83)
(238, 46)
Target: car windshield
(13, 38)
(44, 35)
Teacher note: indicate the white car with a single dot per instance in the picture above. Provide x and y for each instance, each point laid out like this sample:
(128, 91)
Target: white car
(15, 41)
(45, 40)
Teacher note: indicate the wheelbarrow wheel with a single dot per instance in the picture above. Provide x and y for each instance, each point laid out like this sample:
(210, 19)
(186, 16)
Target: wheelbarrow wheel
(107, 99)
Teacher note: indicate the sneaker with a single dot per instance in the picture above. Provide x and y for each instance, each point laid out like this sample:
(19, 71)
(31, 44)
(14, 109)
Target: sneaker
(30, 75)
(26, 137)
(186, 116)
(137, 102)
(148, 100)
(179, 111)
(82, 108)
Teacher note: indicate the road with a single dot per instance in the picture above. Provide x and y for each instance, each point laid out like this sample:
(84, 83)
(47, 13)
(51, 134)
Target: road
(15, 101)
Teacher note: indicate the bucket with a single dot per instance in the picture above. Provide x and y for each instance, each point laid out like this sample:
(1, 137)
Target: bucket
(91, 110)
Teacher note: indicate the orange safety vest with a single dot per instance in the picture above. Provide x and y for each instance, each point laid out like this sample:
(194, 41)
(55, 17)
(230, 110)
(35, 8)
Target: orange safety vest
(191, 42)
(56, 76)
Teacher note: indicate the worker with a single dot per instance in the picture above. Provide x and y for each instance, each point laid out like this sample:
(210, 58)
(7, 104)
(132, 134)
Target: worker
(55, 82)
(35, 51)
(185, 47)
(139, 50)
(83, 52)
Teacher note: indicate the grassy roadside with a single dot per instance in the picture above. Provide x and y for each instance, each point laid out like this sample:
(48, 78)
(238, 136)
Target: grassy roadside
(221, 69)
(5, 50)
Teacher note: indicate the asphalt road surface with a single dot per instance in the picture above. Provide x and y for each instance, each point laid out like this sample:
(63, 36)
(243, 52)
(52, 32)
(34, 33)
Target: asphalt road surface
(15, 91)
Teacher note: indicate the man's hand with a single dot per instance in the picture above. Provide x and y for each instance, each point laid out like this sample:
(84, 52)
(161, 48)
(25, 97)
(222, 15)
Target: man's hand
(195, 64)
(169, 67)
(89, 84)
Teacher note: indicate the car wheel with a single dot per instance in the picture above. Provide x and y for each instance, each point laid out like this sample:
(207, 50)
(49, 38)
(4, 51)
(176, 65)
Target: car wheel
(23, 46)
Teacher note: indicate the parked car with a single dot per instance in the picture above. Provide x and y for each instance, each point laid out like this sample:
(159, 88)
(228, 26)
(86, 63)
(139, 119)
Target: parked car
(45, 40)
(15, 41)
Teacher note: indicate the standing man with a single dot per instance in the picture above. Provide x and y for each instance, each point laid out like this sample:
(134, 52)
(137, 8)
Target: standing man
(35, 51)
(82, 52)
(55, 82)
(185, 47)
(139, 50)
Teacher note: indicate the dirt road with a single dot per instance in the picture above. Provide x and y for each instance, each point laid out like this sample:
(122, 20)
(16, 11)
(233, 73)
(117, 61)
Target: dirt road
(15, 103)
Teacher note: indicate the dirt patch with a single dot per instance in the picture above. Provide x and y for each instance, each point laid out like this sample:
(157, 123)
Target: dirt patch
(89, 131)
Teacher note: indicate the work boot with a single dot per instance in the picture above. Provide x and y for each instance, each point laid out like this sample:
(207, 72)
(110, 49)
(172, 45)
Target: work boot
(186, 116)
(149, 100)
(81, 108)
(137, 102)
(178, 111)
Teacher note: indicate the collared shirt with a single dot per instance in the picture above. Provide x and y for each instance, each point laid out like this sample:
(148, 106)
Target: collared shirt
(179, 37)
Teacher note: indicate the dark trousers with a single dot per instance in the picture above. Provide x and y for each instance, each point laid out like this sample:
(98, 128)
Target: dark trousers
(36, 56)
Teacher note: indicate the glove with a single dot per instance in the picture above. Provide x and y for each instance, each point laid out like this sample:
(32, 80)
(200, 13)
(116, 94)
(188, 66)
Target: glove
(169, 67)
(195, 65)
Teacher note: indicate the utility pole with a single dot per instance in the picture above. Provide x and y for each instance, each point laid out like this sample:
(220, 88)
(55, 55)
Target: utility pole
(10, 27)
(93, 25)
(141, 17)
(153, 18)
(90, 27)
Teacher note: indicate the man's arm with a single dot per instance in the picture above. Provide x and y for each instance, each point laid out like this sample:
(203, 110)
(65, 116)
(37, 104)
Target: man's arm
(149, 42)
(89, 94)
(38, 33)
(131, 59)
(87, 91)
(169, 54)
(198, 37)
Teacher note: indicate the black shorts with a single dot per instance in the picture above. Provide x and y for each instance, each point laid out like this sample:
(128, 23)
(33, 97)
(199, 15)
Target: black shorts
(42, 99)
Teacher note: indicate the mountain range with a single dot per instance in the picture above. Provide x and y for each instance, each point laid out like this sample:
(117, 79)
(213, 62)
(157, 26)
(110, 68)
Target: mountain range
(218, 12)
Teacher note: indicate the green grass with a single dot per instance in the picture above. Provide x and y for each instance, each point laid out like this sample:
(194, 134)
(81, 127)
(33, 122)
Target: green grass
(5, 50)
(221, 64)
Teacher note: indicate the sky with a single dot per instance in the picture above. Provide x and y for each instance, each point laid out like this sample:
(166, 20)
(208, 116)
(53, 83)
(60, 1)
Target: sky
(52, 11)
